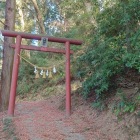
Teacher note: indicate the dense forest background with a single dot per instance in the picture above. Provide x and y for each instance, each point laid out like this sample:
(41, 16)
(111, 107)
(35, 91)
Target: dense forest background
(109, 57)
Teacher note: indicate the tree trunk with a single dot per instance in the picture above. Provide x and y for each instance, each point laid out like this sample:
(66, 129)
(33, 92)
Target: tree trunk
(39, 16)
(21, 14)
(7, 55)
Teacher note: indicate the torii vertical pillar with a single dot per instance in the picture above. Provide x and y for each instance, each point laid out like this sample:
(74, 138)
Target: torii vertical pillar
(68, 80)
(14, 77)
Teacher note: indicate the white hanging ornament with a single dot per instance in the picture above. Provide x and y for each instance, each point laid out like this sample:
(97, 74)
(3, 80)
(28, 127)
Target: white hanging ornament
(54, 69)
(41, 73)
(47, 73)
(35, 70)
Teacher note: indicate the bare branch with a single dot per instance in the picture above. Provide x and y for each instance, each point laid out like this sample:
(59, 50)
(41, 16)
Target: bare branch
(2, 22)
(39, 16)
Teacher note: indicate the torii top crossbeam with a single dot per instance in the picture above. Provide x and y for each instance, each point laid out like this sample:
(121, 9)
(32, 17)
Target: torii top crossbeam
(38, 37)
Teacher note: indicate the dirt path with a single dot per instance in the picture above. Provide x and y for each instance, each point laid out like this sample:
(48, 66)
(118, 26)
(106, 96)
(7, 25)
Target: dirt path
(45, 120)
(2, 134)
(42, 121)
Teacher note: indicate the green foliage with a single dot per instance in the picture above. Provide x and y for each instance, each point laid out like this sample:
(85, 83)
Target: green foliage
(114, 47)
(103, 63)
(80, 15)
(9, 129)
(99, 105)
(131, 58)
(27, 84)
(124, 105)
(117, 18)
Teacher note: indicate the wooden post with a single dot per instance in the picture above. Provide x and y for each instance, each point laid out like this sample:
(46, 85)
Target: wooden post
(11, 106)
(68, 84)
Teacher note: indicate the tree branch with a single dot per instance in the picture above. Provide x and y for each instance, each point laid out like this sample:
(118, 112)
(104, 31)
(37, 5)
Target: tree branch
(39, 16)
(2, 22)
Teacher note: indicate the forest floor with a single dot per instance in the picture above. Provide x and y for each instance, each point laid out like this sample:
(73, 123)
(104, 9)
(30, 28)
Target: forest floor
(45, 119)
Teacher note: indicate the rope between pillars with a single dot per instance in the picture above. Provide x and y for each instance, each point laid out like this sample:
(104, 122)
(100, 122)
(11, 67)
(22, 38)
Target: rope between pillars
(41, 68)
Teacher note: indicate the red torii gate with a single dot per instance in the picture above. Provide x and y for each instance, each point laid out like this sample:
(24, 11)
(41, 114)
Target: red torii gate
(18, 46)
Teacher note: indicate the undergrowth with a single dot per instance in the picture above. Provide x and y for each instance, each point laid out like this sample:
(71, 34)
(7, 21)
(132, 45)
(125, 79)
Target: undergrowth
(9, 129)
(126, 104)
(114, 48)
(29, 85)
